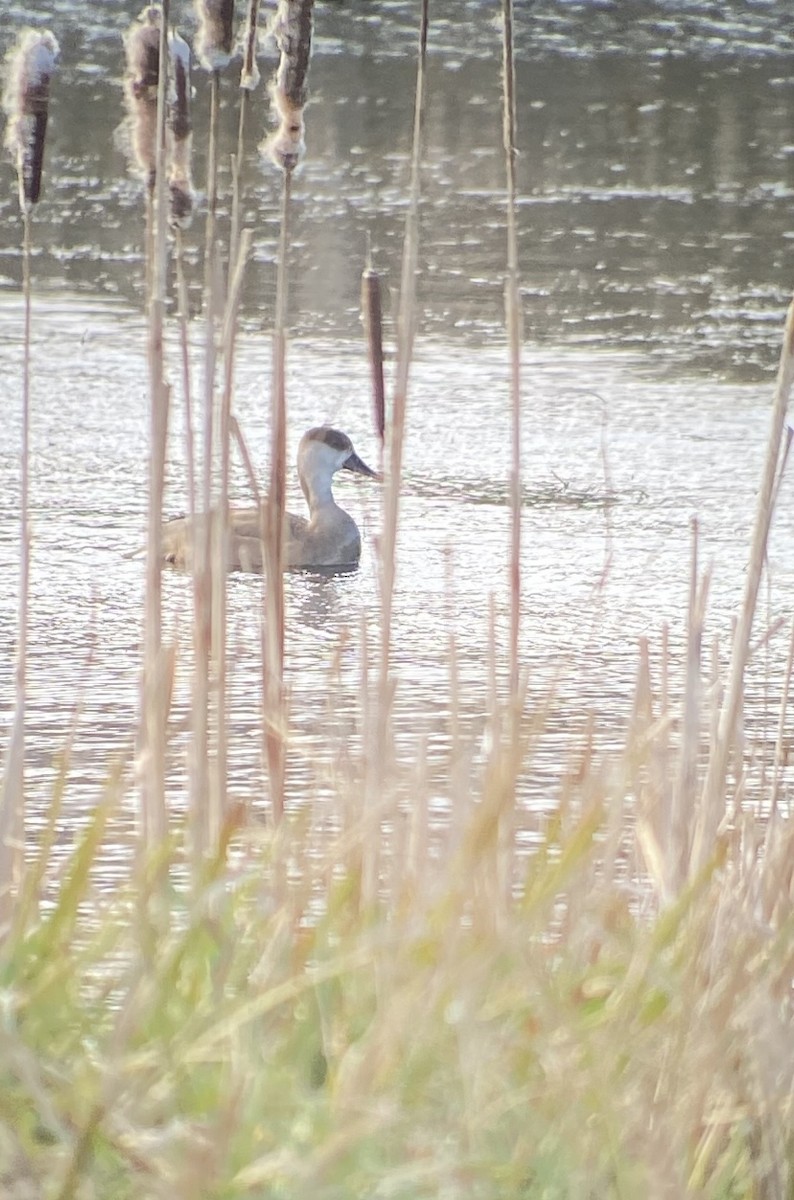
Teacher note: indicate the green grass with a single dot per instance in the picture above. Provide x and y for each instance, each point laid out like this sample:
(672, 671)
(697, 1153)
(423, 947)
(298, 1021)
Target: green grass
(265, 1039)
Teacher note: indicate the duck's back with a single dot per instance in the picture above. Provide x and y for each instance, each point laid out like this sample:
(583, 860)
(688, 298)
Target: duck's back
(330, 539)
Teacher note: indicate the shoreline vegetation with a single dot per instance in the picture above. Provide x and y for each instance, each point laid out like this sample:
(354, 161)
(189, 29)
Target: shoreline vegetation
(351, 999)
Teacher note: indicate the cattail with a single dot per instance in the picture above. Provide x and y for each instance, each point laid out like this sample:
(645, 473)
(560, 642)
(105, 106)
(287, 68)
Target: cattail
(26, 102)
(292, 29)
(180, 128)
(142, 46)
(249, 75)
(372, 316)
(249, 81)
(215, 38)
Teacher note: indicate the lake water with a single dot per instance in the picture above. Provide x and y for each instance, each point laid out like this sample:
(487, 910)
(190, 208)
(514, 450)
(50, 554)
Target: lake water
(656, 250)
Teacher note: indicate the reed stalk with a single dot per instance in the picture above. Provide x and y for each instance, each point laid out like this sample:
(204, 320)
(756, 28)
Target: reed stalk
(379, 755)
(187, 389)
(274, 696)
(249, 81)
(206, 802)
(228, 341)
(26, 98)
(406, 327)
(677, 841)
(513, 323)
(285, 147)
(716, 777)
(182, 199)
(214, 46)
(156, 681)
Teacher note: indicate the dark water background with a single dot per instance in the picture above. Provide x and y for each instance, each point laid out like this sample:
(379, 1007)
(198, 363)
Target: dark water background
(655, 171)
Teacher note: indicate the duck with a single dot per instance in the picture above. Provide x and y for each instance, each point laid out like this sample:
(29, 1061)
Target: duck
(329, 538)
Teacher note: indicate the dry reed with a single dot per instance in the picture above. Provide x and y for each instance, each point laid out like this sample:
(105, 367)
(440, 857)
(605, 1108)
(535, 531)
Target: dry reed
(158, 664)
(26, 97)
(293, 32)
(406, 324)
(513, 323)
(181, 196)
(714, 787)
(379, 751)
(249, 81)
(215, 47)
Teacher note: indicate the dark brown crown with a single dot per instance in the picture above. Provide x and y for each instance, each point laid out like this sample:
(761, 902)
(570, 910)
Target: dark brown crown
(332, 437)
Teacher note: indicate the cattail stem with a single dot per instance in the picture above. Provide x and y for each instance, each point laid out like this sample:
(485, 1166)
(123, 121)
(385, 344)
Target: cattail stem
(187, 391)
(207, 801)
(405, 336)
(249, 80)
(206, 824)
(275, 716)
(154, 691)
(212, 179)
(25, 536)
(513, 322)
(234, 232)
(26, 102)
(221, 556)
(214, 47)
(293, 32)
(12, 816)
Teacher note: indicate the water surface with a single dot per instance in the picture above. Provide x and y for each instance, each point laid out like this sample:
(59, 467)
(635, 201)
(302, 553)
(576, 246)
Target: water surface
(655, 196)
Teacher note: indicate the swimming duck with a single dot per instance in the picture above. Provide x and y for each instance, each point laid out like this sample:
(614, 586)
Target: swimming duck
(330, 537)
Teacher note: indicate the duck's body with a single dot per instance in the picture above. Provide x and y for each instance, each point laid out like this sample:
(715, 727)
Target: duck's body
(329, 538)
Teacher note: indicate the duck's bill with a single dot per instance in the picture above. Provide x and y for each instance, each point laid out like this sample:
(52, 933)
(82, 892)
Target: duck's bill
(354, 463)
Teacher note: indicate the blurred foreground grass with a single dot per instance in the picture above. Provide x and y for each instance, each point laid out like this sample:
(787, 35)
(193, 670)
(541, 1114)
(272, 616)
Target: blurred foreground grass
(480, 1026)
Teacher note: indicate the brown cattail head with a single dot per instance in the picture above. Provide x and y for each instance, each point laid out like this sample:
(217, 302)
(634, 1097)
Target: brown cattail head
(180, 133)
(286, 146)
(26, 101)
(215, 38)
(292, 29)
(372, 316)
(249, 76)
(142, 46)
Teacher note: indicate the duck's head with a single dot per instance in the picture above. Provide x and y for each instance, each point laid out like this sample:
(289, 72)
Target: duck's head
(323, 451)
